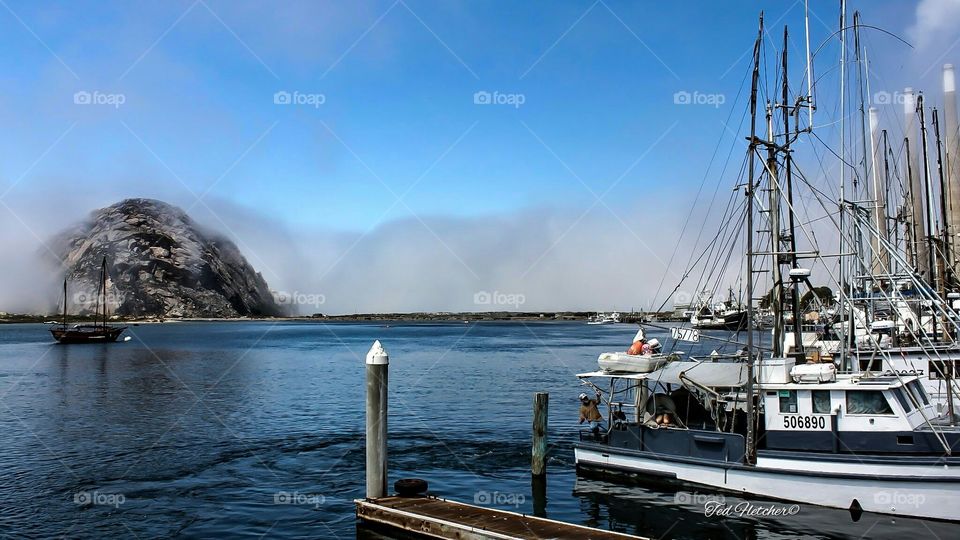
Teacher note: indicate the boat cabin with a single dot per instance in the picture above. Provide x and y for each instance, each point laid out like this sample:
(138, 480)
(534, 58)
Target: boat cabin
(804, 407)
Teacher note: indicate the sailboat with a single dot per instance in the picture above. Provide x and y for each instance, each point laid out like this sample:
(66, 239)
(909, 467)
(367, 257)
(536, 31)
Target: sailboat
(97, 332)
(787, 424)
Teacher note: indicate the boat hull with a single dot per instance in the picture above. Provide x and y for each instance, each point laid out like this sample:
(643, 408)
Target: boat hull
(731, 321)
(100, 335)
(896, 488)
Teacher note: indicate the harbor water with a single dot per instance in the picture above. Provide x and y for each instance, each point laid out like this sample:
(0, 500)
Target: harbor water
(256, 429)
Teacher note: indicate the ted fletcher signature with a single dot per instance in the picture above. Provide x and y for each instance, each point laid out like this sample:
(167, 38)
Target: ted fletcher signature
(748, 509)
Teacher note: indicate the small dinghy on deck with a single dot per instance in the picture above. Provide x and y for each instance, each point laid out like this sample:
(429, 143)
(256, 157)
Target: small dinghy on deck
(621, 362)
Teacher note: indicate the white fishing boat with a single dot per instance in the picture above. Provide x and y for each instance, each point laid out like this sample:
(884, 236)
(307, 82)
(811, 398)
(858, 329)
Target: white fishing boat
(873, 444)
(821, 413)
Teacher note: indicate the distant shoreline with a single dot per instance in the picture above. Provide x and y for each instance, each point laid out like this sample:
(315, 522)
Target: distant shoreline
(490, 316)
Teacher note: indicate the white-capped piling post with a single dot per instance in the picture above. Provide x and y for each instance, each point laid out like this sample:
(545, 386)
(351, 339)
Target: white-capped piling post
(538, 465)
(377, 363)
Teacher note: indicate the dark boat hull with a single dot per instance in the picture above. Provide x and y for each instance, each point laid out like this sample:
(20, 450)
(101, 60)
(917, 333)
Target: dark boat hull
(732, 321)
(104, 334)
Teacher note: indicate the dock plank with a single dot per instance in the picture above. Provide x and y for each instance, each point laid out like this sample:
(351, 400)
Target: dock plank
(439, 518)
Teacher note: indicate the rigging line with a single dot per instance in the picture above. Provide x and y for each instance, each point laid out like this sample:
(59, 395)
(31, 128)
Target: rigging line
(724, 235)
(923, 290)
(707, 255)
(689, 267)
(703, 181)
(687, 273)
(848, 164)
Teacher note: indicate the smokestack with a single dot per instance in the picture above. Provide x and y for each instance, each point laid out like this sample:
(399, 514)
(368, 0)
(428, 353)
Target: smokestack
(880, 260)
(917, 228)
(951, 148)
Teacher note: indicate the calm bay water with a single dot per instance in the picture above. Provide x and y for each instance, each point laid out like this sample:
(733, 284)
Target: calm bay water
(256, 430)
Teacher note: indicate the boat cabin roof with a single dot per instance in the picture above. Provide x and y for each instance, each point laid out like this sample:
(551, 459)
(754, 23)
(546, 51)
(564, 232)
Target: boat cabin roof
(847, 382)
(729, 375)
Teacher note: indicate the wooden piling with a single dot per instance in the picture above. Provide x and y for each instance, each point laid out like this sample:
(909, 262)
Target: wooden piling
(541, 401)
(377, 365)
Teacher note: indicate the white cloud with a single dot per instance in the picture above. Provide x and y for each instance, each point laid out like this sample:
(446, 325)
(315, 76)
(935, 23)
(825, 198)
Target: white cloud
(936, 24)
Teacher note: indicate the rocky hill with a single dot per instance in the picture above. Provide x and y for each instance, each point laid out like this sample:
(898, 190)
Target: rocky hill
(160, 263)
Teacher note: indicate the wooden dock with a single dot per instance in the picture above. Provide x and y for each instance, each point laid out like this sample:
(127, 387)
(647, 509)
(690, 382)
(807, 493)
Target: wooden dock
(431, 517)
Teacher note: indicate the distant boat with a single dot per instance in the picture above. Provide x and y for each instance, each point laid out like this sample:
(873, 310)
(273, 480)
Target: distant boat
(726, 315)
(601, 318)
(98, 332)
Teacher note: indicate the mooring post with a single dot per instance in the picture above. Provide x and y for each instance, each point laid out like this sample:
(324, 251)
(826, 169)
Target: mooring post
(377, 363)
(540, 405)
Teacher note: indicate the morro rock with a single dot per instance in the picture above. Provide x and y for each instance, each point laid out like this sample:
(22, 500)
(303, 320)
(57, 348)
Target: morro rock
(160, 263)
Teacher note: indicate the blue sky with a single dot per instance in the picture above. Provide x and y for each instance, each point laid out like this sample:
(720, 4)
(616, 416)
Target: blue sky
(198, 119)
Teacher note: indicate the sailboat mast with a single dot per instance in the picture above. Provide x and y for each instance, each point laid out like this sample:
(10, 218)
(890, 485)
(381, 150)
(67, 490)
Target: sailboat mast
(750, 456)
(103, 291)
(64, 302)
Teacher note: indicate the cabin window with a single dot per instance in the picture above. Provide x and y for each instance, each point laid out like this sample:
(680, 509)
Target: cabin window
(901, 396)
(919, 395)
(788, 401)
(936, 369)
(867, 402)
(821, 401)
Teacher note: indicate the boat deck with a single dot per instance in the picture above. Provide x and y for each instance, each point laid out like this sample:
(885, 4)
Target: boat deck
(438, 518)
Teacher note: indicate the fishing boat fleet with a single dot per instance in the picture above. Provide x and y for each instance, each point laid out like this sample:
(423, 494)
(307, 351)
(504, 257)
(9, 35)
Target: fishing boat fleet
(832, 382)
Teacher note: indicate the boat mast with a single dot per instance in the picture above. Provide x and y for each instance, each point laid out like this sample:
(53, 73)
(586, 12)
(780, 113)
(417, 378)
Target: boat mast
(928, 201)
(886, 197)
(810, 106)
(64, 302)
(913, 254)
(750, 454)
(773, 213)
(946, 278)
(102, 293)
(843, 170)
(788, 173)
